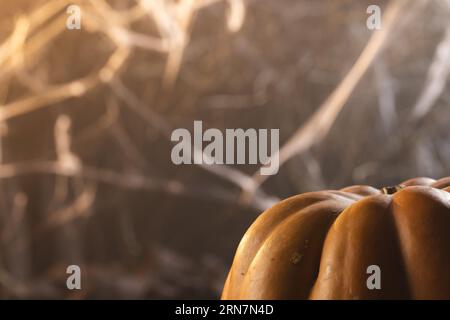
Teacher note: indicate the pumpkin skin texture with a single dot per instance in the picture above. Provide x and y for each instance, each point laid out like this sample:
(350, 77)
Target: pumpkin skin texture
(318, 245)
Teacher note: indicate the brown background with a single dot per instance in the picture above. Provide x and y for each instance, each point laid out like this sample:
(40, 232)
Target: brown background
(141, 227)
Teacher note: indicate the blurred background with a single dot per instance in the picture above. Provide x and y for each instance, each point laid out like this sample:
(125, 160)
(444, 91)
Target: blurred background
(86, 115)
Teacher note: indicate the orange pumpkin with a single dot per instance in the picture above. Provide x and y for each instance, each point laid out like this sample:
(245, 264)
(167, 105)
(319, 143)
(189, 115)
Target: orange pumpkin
(319, 245)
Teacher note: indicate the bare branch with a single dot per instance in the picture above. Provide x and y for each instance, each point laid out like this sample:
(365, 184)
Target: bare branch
(227, 173)
(317, 127)
(386, 94)
(62, 92)
(436, 79)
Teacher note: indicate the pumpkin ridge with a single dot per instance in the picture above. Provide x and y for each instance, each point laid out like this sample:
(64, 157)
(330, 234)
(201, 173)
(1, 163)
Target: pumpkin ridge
(422, 212)
(287, 208)
(362, 190)
(420, 181)
(443, 183)
(342, 272)
(271, 217)
(399, 246)
(310, 212)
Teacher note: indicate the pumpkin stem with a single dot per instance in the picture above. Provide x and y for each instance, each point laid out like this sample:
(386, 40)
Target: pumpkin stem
(392, 189)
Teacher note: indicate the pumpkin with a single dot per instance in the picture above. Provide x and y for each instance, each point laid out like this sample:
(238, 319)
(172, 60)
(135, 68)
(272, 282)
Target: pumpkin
(319, 245)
